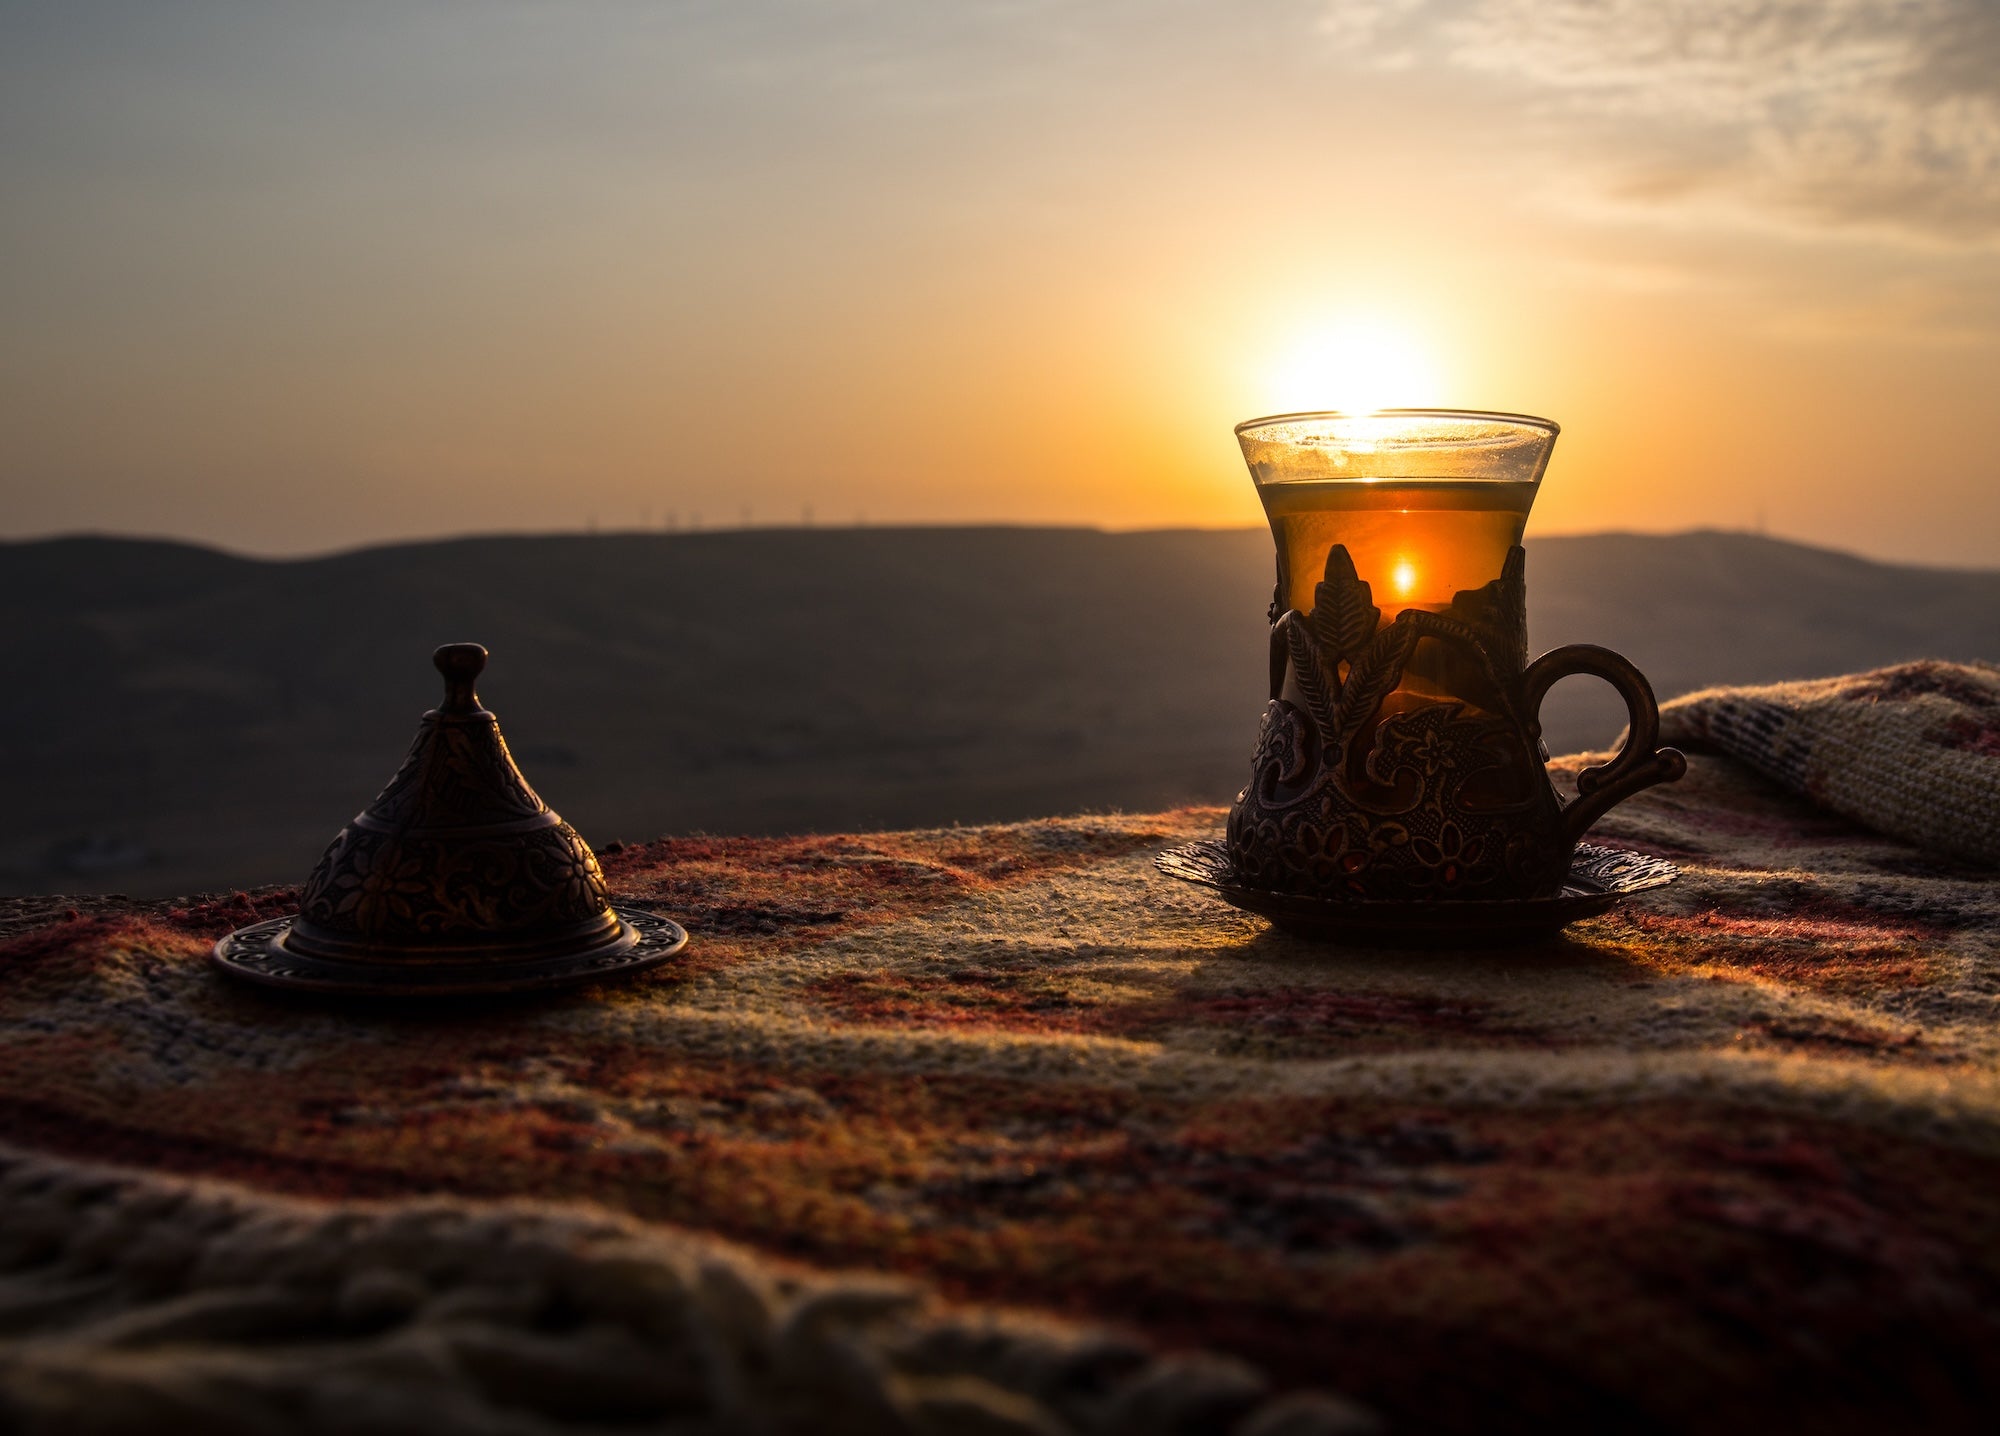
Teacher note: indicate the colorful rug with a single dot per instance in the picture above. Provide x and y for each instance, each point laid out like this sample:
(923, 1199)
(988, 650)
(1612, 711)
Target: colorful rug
(1725, 1159)
(1912, 751)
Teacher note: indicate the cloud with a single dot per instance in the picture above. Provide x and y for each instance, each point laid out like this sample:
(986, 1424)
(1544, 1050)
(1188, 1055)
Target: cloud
(1882, 114)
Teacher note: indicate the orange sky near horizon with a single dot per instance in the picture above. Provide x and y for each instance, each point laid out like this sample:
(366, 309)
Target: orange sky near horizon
(287, 280)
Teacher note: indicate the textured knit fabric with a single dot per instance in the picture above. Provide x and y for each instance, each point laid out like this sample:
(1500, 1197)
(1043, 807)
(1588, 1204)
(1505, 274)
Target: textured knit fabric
(143, 1303)
(1726, 1159)
(1913, 751)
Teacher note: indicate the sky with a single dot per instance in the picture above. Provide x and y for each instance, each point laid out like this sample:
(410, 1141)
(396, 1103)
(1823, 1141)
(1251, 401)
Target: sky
(292, 277)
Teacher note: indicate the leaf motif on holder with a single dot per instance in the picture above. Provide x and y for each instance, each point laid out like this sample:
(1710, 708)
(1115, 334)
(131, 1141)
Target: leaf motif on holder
(1375, 674)
(1318, 684)
(1499, 613)
(1476, 641)
(1510, 595)
(1344, 616)
(1452, 630)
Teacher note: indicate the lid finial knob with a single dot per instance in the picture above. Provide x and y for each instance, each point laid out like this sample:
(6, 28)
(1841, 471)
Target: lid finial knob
(461, 664)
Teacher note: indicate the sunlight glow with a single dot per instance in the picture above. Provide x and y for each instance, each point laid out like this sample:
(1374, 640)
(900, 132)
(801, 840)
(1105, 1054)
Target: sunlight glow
(1355, 367)
(1404, 577)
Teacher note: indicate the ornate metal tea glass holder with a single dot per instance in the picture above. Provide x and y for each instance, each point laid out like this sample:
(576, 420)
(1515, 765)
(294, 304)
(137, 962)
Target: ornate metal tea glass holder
(457, 879)
(1399, 789)
(1441, 801)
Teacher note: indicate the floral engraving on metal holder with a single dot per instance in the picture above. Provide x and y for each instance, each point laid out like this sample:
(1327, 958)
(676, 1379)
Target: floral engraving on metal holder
(1440, 800)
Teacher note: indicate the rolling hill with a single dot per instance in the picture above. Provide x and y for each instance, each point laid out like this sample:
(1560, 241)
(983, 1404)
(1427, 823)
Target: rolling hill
(177, 717)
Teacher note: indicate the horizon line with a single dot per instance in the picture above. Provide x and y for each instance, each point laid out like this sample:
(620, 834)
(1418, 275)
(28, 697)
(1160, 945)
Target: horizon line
(738, 530)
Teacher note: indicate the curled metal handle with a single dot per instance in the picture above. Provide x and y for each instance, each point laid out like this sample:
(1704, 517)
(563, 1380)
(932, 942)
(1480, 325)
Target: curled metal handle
(1638, 765)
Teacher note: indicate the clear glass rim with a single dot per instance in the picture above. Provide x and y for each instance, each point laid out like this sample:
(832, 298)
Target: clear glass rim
(1488, 416)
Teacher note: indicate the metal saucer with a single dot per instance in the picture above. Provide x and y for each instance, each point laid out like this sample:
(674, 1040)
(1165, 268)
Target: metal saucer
(259, 953)
(1598, 878)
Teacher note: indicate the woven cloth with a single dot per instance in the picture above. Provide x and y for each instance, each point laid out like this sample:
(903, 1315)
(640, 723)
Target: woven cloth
(1913, 750)
(1724, 1159)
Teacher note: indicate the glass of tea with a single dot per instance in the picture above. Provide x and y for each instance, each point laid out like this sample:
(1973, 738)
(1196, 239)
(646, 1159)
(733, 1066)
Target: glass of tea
(1400, 755)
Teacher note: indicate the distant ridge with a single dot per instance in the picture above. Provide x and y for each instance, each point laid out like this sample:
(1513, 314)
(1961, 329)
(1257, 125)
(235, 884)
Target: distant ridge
(115, 539)
(178, 716)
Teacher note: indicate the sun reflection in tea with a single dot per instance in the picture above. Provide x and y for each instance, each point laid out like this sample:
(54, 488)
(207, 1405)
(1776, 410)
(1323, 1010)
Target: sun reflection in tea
(1418, 541)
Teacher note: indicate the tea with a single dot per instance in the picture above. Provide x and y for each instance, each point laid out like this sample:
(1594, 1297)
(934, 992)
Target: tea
(1416, 542)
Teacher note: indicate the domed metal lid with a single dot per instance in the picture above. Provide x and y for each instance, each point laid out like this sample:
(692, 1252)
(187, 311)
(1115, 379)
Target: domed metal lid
(457, 878)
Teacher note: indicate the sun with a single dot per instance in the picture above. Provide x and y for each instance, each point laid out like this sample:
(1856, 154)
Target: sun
(1355, 366)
